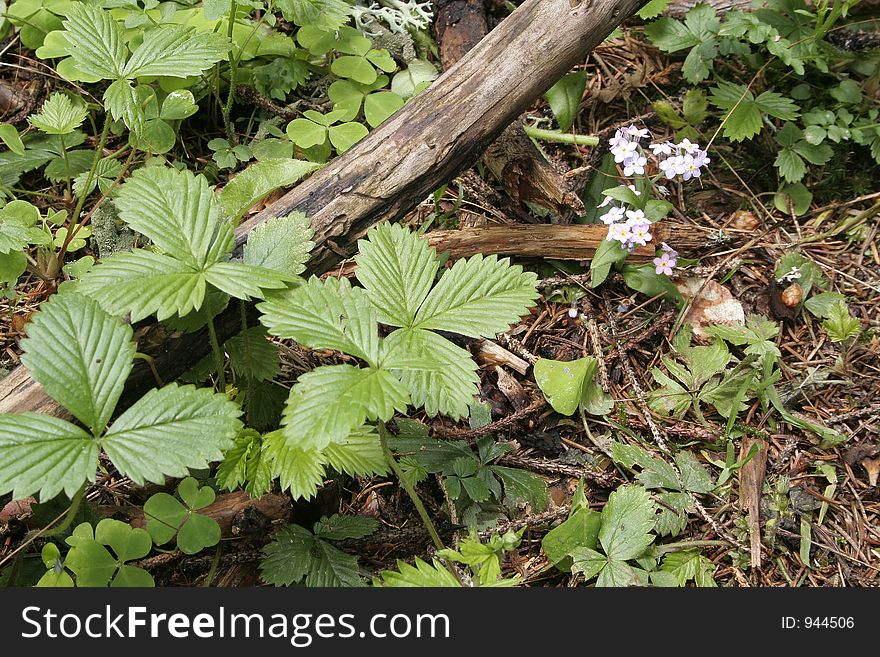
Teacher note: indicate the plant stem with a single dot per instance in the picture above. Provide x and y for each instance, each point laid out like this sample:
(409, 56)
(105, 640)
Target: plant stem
(66, 165)
(686, 545)
(561, 137)
(414, 496)
(98, 150)
(218, 355)
(233, 69)
(69, 516)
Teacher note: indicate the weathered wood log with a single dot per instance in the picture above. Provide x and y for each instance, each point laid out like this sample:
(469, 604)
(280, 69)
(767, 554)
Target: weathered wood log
(438, 134)
(513, 160)
(575, 242)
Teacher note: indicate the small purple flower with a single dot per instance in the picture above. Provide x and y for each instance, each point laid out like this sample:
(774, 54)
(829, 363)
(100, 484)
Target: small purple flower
(634, 165)
(669, 250)
(633, 131)
(662, 148)
(618, 232)
(664, 264)
(613, 215)
(639, 234)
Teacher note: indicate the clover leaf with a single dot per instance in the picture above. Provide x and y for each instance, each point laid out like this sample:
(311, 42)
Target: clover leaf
(167, 517)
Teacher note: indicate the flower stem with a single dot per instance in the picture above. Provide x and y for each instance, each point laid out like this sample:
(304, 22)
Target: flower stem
(233, 70)
(414, 496)
(561, 137)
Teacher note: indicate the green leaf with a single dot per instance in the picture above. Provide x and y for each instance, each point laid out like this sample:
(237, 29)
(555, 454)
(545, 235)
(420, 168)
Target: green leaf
(105, 174)
(823, 305)
(580, 530)
(328, 314)
(12, 265)
(175, 51)
(360, 453)
(688, 565)
(259, 180)
(743, 120)
(41, 453)
(565, 96)
(121, 101)
(478, 297)
(306, 133)
(80, 355)
(297, 555)
(652, 9)
(338, 527)
(791, 166)
(609, 253)
(95, 41)
(244, 281)
(323, 14)
(777, 105)
(178, 212)
(397, 268)
(127, 542)
(563, 382)
(346, 135)
(192, 426)
(288, 558)
(356, 67)
(522, 486)
(90, 561)
(671, 35)
(9, 136)
(18, 227)
(794, 197)
(281, 244)
(156, 137)
(627, 520)
(378, 107)
(328, 403)
(588, 561)
(144, 283)
(178, 105)
(840, 324)
(251, 355)
(299, 470)
(245, 465)
(645, 279)
(655, 473)
(422, 574)
(59, 115)
(442, 378)
(414, 78)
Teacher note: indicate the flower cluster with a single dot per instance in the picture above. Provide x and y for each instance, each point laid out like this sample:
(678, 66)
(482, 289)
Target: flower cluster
(685, 159)
(629, 226)
(626, 150)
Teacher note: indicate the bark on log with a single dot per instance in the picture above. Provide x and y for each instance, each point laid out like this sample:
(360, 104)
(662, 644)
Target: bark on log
(437, 135)
(513, 159)
(575, 242)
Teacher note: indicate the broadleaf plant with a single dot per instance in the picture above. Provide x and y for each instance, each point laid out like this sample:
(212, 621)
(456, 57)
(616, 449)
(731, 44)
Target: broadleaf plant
(82, 356)
(412, 365)
(95, 43)
(184, 219)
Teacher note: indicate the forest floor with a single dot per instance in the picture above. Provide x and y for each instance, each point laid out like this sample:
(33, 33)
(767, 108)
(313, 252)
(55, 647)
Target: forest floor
(752, 527)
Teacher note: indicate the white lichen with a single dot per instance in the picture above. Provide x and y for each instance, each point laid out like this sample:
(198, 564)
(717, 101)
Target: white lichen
(397, 15)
